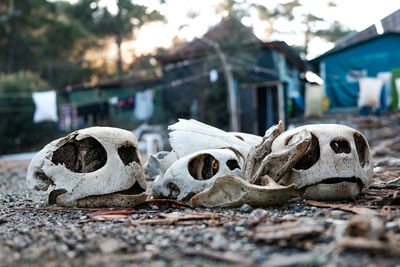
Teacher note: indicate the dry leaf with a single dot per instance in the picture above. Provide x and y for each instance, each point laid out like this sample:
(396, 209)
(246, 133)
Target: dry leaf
(107, 215)
(288, 231)
(345, 207)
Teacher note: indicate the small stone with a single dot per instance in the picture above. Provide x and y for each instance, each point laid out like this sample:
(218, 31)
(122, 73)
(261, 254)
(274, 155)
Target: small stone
(219, 242)
(337, 212)
(296, 208)
(246, 208)
(301, 214)
(243, 223)
(288, 217)
(320, 214)
(109, 245)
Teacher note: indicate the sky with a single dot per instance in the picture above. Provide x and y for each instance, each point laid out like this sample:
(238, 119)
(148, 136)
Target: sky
(355, 14)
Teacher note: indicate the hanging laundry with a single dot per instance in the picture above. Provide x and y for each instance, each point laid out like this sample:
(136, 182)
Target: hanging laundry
(92, 113)
(397, 83)
(395, 89)
(370, 92)
(126, 103)
(313, 98)
(144, 105)
(68, 118)
(386, 77)
(46, 106)
(113, 101)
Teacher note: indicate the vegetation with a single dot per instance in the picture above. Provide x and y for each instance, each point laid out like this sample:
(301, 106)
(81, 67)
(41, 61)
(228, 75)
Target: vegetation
(17, 129)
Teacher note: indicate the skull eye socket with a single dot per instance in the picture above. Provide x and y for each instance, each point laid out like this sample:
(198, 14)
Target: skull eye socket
(232, 164)
(310, 157)
(340, 146)
(127, 154)
(81, 156)
(203, 167)
(362, 148)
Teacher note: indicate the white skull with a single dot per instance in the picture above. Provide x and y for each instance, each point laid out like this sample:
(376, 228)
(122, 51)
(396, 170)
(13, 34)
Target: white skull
(195, 172)
(92, 167)
(337, 164)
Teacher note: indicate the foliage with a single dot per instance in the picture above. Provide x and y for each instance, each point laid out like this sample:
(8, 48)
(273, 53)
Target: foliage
(56, 36)
(120, 26)
(286, 11)
(334, 32)
(17, 130)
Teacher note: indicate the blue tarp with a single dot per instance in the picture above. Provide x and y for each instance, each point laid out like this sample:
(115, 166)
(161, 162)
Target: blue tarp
(343, 68)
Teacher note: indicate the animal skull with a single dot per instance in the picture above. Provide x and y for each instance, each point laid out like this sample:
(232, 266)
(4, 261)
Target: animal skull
(92, 167)
(336, 165)
(195, 172)
(207, 137)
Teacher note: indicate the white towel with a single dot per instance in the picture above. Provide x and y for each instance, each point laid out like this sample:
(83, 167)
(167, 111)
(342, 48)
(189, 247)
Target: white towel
(46, 106)
(370, 92)
(144, 104)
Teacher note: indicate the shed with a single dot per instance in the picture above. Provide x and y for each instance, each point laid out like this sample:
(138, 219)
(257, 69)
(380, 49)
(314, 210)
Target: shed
(194, 84)
(361, 54)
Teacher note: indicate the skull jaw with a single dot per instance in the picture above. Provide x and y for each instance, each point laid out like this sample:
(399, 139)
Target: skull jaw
(114, 200)
(121, 199)
(332, 191)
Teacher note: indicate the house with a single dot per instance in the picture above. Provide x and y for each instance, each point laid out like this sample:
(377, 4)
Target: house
(265, 77)
(370, 53)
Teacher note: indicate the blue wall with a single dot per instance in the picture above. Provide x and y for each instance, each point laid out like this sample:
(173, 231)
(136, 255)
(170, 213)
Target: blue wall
(376, 55)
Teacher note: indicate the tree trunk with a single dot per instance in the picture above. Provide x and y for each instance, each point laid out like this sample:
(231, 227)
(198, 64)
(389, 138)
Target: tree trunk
(119, 62)
(11, 45)
(227, 69)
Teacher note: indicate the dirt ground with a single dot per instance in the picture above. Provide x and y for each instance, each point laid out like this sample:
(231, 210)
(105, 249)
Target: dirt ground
(363, 232)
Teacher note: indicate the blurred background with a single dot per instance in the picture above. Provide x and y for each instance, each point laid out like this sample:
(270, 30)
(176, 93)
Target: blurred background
(236, 65)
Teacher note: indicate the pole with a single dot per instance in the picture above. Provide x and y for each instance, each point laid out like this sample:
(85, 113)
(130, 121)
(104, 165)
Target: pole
(227, 68)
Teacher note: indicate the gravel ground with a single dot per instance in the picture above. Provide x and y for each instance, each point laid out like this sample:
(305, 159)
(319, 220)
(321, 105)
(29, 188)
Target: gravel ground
(298, 233)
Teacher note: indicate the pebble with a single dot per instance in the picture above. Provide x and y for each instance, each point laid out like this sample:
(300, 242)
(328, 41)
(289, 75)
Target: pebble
(320, 214)
(246, 208)
(337, 212)
(301, 214)
(219, 242)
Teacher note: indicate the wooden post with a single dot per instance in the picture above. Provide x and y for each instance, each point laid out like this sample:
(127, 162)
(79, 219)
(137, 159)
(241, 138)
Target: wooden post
(227, 69)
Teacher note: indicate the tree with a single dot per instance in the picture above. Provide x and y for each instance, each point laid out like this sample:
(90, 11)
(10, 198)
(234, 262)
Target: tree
(17, 130)
(311, 22)
(121, 26)
(334, 32)
(50, 34)
(282, 10)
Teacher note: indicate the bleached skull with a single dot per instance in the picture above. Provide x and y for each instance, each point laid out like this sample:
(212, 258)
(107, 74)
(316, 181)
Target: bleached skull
(92, 167)
(195, 172)
(337, 164)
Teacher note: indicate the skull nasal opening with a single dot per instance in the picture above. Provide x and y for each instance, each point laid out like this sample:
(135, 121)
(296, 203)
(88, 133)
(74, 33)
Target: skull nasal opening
(341, 146)
(127, 154)
(81, 156)
(203, 167)
(232, 164)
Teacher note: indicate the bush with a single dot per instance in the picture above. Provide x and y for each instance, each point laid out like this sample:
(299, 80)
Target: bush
(17, 130)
